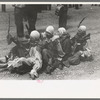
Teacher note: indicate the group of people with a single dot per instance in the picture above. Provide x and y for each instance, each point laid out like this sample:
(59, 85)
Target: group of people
(46, 51)
(25, 13)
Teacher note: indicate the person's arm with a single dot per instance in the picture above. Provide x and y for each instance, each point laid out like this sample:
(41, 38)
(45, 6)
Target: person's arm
(59, 48)
(73, 41)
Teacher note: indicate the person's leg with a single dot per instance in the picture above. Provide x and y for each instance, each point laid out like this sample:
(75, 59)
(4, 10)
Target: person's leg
(19, 22)
(36, 65)
(46, 55)
(76, 6)
(60, 21)
(19, 65)
(19, 16)
(47, 58)
(4, 65)
(64, 21)
(32, 21)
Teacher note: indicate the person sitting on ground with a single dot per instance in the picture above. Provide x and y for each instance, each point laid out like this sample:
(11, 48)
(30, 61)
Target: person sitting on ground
(80, 39)
(32, 63)
(52, 50)
(80, 50)
(65, 42)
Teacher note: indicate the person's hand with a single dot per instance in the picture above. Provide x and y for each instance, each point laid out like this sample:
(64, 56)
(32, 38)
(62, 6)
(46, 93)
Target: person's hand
(59, 59)
(78, 44)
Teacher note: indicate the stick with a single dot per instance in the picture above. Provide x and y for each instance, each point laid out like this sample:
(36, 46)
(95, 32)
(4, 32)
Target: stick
(78, 27)
(81, 21)
(9, 41)
(27, 27)
(8, 24)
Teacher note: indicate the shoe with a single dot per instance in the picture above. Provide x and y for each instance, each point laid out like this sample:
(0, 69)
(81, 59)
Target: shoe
(33, 74)
(61, 67)
(48, 70)
(66, 64)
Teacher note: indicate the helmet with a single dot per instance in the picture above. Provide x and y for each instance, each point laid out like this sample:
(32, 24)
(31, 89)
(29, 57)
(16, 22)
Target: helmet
(35, 35)
(50, 29)
(61, 31)
(82, 28)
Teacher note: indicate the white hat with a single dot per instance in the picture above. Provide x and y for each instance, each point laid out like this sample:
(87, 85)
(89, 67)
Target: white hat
(50, 29)
(82, 28)
(35, 35)
(61, 31)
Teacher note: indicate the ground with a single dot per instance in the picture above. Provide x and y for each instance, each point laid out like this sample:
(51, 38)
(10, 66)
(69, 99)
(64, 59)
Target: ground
(83, 71)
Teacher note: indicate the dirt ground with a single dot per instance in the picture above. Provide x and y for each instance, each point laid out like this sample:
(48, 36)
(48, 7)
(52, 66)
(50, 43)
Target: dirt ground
(83, 71)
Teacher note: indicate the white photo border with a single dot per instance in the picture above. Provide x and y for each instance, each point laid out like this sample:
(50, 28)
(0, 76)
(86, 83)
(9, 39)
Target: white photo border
(50, 88)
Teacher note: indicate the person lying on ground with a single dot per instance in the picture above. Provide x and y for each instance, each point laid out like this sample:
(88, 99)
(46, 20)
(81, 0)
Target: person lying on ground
(32, 63)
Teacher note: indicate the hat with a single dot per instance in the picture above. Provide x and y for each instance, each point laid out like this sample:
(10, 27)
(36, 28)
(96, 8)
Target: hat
(82, 28)
(35, 35)
(50, 29)
(61, 31)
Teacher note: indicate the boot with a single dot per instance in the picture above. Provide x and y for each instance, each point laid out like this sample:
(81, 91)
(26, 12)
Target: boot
(48, 70)
(33, 74)
(61, 67)
(66, 63)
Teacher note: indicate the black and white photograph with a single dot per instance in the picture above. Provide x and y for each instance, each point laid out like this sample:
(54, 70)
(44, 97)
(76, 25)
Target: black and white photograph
(57, 41)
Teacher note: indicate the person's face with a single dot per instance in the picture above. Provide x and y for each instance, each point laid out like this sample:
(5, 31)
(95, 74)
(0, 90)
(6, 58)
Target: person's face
(34, 42)
(81, 33)
(48, 35)
(58, 33)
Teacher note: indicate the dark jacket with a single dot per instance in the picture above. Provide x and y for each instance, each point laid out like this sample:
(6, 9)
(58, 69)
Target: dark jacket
(78, 39)
(66, 44)
(55, 47)
(63, 10)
